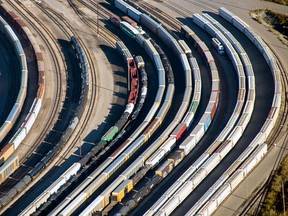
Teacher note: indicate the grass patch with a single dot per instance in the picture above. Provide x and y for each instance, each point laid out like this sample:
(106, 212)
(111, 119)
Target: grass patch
(275, 22)
(273, 204)
(282, 2)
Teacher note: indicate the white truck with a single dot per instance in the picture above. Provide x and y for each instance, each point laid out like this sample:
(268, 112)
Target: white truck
(219, 47)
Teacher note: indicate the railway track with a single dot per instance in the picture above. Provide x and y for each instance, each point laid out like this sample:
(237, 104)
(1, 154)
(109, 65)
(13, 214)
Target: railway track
(12, 89)
(55, 17)
(93, 98)
(177, 8)
(263, 190)
(108, 36)
(59, 62)
(101, 10)
(56, 61)
(203, 4)
(166, 18)
(93, 77)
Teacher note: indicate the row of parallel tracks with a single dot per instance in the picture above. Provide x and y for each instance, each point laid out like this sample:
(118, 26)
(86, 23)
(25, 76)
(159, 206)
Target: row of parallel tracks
(58, 60)
(157, 12)
(94, 23)
(175, 24)
(64, 25)
(162, 16)
(256, 201)
(68, 30)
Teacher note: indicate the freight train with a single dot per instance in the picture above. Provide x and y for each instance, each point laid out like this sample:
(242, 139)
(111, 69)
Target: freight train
(132, 146)
(175, 158)
(144, 83)
(14, 113)
(246, 167)
(257, 148)
(133, 74)
(167, 166)
(21, 133)
(111, 133)
(118, 192)
(201, 168)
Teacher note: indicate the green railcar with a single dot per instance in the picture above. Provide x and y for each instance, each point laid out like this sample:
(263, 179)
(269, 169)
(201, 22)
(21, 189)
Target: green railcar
(193, 107)
(109, 135)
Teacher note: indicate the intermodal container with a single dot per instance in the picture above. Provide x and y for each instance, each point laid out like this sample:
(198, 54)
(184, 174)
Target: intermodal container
(6, 152)
(179, 130)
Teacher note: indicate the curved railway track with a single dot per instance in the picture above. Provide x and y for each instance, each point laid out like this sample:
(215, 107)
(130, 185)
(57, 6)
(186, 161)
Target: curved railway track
(93, 74)
(55, 17)
(260, 195)
(101, 10)
(48, 40)
(171, 21)
(106, 34)
(94, 25)
(51, 13)
(284, 117)
(177, 8)
(157, 13)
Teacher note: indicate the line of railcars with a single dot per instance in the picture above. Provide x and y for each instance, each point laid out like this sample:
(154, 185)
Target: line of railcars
(140, 162)
(75, 167)
(130, 26)
(130, 139)
(117, 130)
(246, 162)
(73, 123)
(45, 160)
(130, 146)
(222, 145)
(143, 91)
(119, 192)
(139, 39)
(187, 145)
(109, 135)
(175, 128)
(257, 148)
(14, 113)
(205, 164)
(52, 189)
(21, 133)
(169, 144)
(133, 74)
(16, 140)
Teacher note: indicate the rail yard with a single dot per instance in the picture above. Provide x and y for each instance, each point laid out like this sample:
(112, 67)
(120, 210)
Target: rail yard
(138, 107)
